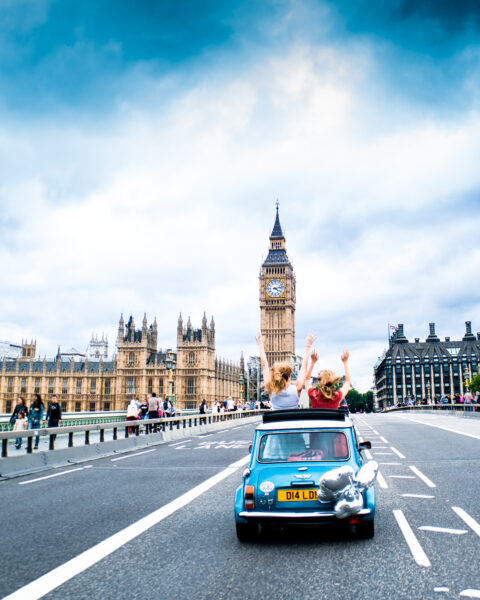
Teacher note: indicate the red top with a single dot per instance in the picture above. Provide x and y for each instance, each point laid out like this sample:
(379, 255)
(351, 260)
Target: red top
(318, 400)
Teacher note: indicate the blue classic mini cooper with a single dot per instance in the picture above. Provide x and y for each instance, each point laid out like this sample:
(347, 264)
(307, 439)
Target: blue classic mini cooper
(306, 467)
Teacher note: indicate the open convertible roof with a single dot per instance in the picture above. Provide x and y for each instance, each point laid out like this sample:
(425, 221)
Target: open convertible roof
(307, 414)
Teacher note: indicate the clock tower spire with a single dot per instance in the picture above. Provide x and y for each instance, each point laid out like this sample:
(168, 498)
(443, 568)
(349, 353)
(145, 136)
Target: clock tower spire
(277, 299)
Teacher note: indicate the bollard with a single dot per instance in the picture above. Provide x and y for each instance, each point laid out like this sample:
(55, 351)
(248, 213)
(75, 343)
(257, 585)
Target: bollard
(30, 444)
(51, 443)
(70, 439)
(137, 430)
(4, 448)
(87, 438)
(126, 432)
(115, 433)
(102, 435)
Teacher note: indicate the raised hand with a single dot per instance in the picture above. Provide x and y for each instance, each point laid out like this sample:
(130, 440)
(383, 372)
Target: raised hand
(260, 339)
(311, 337)
(314, 356)
(345, 356)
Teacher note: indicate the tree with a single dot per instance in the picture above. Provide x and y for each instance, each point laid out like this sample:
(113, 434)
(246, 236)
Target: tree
(475, 383)
(357, 401)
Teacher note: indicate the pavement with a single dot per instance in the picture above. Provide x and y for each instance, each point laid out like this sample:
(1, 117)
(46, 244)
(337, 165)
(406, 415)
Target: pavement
(158, 523)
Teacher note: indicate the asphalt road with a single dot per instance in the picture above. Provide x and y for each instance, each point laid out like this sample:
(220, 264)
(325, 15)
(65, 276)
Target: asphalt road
(158, 523)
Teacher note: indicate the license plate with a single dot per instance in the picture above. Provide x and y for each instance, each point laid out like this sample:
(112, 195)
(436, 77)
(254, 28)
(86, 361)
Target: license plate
(297, 495)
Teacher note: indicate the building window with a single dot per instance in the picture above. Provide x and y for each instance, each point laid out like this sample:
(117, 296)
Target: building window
(108, 386)
(131, 358)
(23, 386)
(9, 386)
(150, 385)
(93, 387)
(92, 406)
(79, 387)
(190, 404)
(160, 386)
(78, 406)
(130, 385)
(8, 406)
(51, 382)
(191, 358)
(191, 385)
(37, 386)
(106, 406)
(65, 386)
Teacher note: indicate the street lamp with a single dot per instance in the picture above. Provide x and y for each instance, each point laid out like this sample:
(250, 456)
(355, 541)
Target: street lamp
(171, 365)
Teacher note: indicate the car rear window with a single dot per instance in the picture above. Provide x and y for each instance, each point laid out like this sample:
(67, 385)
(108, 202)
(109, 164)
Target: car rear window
(303, 446)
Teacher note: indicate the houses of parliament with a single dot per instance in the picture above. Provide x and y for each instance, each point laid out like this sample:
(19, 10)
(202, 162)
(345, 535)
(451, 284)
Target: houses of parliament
(186, 375)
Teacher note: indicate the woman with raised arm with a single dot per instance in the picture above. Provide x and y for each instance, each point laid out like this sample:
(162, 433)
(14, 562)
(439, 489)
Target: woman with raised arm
(328, 393)
(282, 393)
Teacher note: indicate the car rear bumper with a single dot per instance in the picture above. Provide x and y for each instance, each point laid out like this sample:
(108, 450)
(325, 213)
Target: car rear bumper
(290, 515)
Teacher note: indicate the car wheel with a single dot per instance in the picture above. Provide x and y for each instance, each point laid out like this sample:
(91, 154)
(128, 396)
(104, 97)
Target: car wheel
(366, 530)
(247, 532)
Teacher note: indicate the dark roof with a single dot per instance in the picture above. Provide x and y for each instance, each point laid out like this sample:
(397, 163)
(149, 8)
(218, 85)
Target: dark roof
(277, 257)
(277, 228)
(296, 414)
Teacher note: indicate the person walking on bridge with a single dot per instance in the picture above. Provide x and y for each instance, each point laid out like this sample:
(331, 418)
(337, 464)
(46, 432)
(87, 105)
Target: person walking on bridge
(153, 407)
(54, 414)
(35, 416)
(282, 392)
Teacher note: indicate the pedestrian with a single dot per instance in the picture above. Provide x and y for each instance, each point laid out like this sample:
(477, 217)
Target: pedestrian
(203, 410)
(20, 406)
(54, 415)
(277, 379)
(168, 408)
(35, 416)
(328, 393)
(20, 425)
(153, 411)
(230, 404)
(144, 409)
(132, 414)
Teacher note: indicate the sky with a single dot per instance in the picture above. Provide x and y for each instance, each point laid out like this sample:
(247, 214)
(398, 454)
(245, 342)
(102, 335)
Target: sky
(143, 146)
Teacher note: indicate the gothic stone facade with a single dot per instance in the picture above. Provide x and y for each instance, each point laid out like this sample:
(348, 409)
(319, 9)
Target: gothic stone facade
(277, 300)
(137, 370)
(425, 369)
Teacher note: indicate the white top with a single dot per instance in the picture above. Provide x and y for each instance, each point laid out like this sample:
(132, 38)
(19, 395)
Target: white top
(288, 398)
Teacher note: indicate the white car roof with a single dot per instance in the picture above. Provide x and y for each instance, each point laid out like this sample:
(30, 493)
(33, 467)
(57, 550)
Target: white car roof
(307, 424)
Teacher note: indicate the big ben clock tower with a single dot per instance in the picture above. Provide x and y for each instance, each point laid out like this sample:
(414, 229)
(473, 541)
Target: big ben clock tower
(277, 300)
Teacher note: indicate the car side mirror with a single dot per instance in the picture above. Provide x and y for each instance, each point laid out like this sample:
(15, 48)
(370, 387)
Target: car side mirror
(365, 445)
(250, 448)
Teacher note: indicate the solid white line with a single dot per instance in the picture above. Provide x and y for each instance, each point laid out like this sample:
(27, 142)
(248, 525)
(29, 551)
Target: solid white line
(401, 476)
(476, 437)
(399, 454)
(50, 581)
(415, 548)
(178, 443)
(443, 530)
(368, 454)
(383, 439)
(423, 477)
(130, 455)
(381, 481)
(441, 589)
(383, 453)
(390, 464)
(470, 593)
(417, 496)
(54, 475)
(470, 521)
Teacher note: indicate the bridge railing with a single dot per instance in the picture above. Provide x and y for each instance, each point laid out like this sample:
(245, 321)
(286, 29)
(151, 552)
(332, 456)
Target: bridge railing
(119, 428)
(469, 409)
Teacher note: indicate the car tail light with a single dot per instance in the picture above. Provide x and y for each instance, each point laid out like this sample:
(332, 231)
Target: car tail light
(354, 520)
(249, 497)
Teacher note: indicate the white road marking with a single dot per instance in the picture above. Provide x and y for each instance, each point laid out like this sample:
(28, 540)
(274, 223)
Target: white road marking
(391, 464)
(399, 454)
(381, 481)
(476, 437)
(423, 477)
(50, 581)
(383, 439)
(375, 432)
(368, 454)
(202, 435)
(470, 521)
(443, 530)
(383, 453)
(178, 443)
(401, 476)
(441, 589)
(417, 496)
(131, 455)
(54, 475)
(415, 548)
(470, 593)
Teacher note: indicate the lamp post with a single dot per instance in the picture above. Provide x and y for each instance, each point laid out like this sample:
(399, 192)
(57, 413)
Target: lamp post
(171, 364)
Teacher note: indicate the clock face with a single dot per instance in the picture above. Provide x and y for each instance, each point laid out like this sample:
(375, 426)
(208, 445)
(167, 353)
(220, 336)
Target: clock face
(275, 288)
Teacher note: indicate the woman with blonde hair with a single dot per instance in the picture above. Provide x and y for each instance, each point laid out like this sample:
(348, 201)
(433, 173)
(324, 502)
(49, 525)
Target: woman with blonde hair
(282, 393)
(328, 393)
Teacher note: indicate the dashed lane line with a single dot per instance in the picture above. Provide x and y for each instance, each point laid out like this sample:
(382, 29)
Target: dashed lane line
(470, 593)
(423, 477)
(132, 455)
(381, 481)
(391, 464)
(54, 475)
(401, 476)
(399, 454)
(443, 530)
(52, 580)
(178, 443)
(470, 521)
(427, 496)
(414, 545)
(383, 439)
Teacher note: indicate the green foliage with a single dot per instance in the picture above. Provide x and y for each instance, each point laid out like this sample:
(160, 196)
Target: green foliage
(360, 402)
(475, 383)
